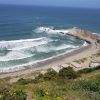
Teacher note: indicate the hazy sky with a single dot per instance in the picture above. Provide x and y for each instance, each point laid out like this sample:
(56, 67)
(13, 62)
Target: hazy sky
(67, 3)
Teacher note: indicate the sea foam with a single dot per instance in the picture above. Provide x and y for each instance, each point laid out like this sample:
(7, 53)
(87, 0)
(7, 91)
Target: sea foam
(50, 30)
(29, 65)
(19, 49)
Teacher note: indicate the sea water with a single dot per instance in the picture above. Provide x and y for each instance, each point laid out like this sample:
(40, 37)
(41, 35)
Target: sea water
(31, 34)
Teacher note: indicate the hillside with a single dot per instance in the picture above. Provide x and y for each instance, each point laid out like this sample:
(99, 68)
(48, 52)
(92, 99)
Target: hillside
(65, 85)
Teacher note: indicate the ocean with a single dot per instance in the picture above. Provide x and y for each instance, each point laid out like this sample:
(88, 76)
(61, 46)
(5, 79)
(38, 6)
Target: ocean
(31, 34)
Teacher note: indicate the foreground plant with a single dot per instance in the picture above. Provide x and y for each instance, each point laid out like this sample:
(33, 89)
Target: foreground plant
(10, 94)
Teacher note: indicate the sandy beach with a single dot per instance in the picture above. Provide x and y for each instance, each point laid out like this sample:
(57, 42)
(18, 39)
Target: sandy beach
(87, 52)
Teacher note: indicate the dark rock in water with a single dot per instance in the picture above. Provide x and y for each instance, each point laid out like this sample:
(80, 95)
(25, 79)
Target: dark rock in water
(98, 40)
(62, 32)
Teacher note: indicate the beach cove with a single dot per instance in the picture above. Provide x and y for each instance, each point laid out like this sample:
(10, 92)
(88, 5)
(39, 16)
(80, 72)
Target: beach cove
(49, 50)
(88, 52)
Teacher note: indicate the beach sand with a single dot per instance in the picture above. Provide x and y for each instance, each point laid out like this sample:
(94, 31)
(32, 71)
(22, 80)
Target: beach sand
(84, 52)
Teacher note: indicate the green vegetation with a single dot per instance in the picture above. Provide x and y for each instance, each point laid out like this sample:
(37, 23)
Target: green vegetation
(65, 85)
(50, 75)
(88, 70)
(98, 53)
(11, 94)
(69, 73)
(25, 81)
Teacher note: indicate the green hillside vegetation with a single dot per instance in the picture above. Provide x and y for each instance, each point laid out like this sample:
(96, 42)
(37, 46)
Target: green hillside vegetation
(65, 85)
(98, 53)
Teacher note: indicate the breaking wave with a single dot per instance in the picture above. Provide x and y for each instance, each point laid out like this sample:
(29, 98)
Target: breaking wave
(50, 30)
(22, 44)
(24, 66)
(47, 49)
(18, 49)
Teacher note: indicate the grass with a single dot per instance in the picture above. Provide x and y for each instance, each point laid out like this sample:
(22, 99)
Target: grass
(52, 86)
(98, 53)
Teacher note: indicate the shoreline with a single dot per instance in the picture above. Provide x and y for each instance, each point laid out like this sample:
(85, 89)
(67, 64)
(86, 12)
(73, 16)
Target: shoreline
(44, 65)
(43, 62)
(59, 60)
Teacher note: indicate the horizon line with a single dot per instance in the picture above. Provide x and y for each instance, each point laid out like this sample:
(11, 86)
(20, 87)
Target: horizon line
(51, 6)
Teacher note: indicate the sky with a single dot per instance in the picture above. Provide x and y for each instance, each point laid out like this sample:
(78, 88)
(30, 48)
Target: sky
(65, 3)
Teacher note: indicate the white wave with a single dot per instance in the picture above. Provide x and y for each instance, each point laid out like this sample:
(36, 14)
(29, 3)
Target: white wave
(29, 65)
(22, 44)
(43, 49)
(22, 40)
(65, 46)
(20, 49)
(15, 55)
(27, 45)
(49, 30)
(85, 44)
(54, 48)
(96, 34)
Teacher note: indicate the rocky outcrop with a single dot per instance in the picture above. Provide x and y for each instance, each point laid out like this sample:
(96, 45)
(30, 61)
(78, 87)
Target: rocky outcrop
(84, 34)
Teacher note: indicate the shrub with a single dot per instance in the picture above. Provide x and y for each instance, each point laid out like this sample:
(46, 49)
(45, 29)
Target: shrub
(10, 94)
(38, 78)
(88, 70)
(68, 72)
(90, 86)
(51, 74)
(98, 53)
(97, 68)
(20, 95)
(39, 94)
(24, 81)
(90, 96)
(28, 81)
(85, 70)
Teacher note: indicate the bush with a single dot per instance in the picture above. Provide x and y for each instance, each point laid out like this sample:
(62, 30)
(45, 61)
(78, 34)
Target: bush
(85, 70)
(20, 95)
(28, 81)
(98, 53)
(39, 94)
(90, 86)
(10, 94)
(51, 74)
(97, 68)
(90, 96)
(68, 72)
(24, 81)
(38, 78)
(88, 70)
